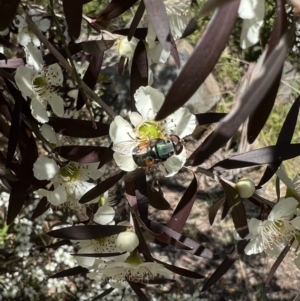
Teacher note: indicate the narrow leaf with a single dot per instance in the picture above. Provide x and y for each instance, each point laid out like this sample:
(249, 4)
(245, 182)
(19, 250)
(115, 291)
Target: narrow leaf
(156, 11)
(278, 262)
(100, 188)
(115, 8)
(86, 232)
(8, 10)
(73, 13)
(136, 288)
(139, 71)
(245, 105)
(79, 128)
(41, 208)
(208, 118)
(105, 293)
(226, 264)
(202, 61)
(156, 199)
(136, 20)
(238, 211)
(55, 246)
(90, 77)
(81, 153)
(214, 209)
(70, 272)
(184, 207)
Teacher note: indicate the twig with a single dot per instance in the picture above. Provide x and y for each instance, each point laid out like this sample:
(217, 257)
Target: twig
(65, 63)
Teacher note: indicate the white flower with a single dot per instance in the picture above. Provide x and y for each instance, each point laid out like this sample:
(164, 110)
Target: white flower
(252, 11)
(70, 182)
(133, 269)
(273, 234)
(179, 15)
(148, 101)
(105, 214)
(50, 135)
(39, 84)
(25, 35)
(127, 241)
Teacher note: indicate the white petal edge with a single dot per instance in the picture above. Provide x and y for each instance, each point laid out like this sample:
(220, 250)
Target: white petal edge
(45, 168)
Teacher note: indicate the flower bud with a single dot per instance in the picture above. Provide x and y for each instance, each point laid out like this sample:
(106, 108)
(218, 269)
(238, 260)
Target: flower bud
(245, 188)
(127, 241)
(126, 48)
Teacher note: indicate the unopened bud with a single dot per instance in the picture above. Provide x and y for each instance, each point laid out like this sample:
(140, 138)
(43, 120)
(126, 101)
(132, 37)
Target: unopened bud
(245, 188)
(127, 241)
(126, 48)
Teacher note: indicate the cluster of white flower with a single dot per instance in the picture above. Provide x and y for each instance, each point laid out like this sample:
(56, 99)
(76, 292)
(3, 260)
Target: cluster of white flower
(281, 226)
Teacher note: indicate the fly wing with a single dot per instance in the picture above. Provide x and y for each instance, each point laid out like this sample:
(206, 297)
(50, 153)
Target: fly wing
(131, 147)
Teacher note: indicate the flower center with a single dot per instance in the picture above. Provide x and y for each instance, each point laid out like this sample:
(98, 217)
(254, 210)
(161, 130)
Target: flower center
(40, 85)
(70, 172)
(277, 233)
(150, 130)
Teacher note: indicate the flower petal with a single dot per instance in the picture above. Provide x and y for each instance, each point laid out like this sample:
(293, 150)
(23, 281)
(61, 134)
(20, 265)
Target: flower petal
(57, 197)
(44, 24)
(148, 101)
(283, 209)
(104, 215)
(23, 78)
(125, 162)
(246, 9)
(54, 75)
(38, 110)
(158, 54)
(136, 119)
(126, 48)
(297, 261)
(274, 250)
(120, 130)
(173, 164)
(255, 246)
(45, 168)
(296, 222)
(48, 133)
(91, 170)
(34, 57)
(56, 103)
(184, 121)
(24, 37)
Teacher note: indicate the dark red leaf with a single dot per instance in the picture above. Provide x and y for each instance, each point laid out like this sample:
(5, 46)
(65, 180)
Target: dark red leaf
(136, 288)
(92, 47)
(194, 247)
(79, 128)
(141, 193)
(90, 77)
(97, 254)
(105, 293)
(156, 11)
(115, 8)
(211, 5)
(139, 71)
(157, 200)
(226, 264)
(140, 33)
(100, 188)
(259, 117)
(73, 14)
(25, 175)
(136, 20)
(70, 272)
(238, 211)
(12, 63)
(246, 104)
(214, 209)
(285, 136)
(41, 208)
(184, 207)
(8, 10)
(107, 156)
(208, 118)
(81, 153)
(5, 109)
(265, 155)
(202, 61)
(86, 232)
(278, 262)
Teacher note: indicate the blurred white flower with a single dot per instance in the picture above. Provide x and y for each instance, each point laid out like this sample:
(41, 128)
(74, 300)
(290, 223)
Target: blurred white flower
(148, 101)
(253, 12)
(50, 135)
(25, 35)
(127, 241)
(133, 269)
(273, 234)
(39, 84)
(70, 182)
